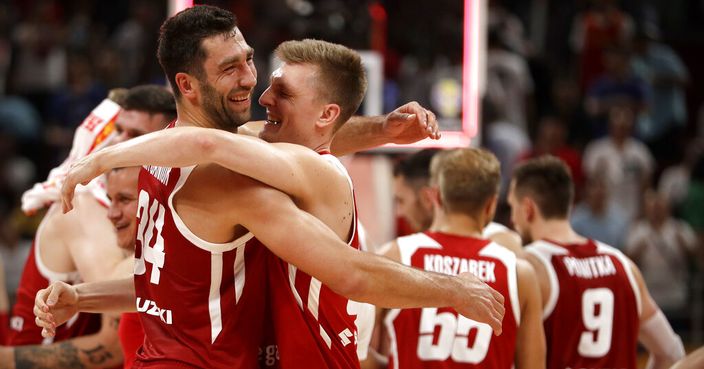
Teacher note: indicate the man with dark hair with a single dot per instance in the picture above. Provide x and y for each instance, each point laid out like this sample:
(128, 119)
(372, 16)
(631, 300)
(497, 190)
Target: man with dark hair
(82, 246)
(592, 285)
(197, 277)
(411, 177)
(464, 189)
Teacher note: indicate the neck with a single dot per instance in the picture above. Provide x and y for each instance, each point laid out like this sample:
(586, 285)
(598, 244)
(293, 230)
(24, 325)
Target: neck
(457, 224)
(319, 141)
(188, 115)
(558, 230)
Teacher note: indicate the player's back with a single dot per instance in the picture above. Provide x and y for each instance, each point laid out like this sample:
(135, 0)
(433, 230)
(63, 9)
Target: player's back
(591, 317)
(439, 337)
(201, 304)
(311, 326)
(36, 275)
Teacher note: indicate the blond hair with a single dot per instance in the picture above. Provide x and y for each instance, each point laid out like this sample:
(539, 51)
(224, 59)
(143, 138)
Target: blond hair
(467, 179)
(342, 77)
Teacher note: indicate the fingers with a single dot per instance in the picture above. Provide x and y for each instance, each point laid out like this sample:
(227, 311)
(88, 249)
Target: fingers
(54, 294)
(67, 191)
(432, 126)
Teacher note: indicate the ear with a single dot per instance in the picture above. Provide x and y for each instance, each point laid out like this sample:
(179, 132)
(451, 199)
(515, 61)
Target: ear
(328, 116)
(530, 208)
(187, 85)
(490, 208)
(429, 196)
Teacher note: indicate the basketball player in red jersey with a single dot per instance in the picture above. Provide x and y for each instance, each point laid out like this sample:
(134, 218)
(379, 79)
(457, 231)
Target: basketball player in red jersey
(463, 190)
(144, 109)
(411, 189)
(198, 291)
(595, 303)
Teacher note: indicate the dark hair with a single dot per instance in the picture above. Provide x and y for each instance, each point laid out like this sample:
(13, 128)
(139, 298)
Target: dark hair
(180, 40)
(415, 168)
(547, 180)
(152, 99)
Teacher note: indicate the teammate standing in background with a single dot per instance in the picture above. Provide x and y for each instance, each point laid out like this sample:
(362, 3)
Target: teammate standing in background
(411, 193)
(595, 303)
(463, 190)
(144, 109)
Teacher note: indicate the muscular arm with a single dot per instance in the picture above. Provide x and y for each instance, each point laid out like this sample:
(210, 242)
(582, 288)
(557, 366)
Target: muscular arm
(99, 350)
(281, 165)
(318, 251)
(89, 238)
(407, 124)
(530, 340)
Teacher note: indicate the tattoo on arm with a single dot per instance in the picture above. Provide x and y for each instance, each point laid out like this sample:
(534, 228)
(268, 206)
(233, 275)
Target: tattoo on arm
(61, 355)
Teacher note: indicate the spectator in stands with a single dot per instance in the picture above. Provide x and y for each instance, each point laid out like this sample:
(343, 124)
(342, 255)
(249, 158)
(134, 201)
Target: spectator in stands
(597, 218)
(625, 162)
(662, 247)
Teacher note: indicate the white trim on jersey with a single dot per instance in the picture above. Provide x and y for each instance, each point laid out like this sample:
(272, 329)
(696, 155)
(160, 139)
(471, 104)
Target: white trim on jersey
(389, 323)
(544, 251)
(188, 234)
(508, 258)
(214, 296)
(606, 249)
(239, 270)
(493, 228)
(292, 282)
(408, 245)
(314, 296)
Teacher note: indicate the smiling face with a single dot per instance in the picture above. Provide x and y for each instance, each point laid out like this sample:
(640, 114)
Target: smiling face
(293, 104)
(134, 123)
(122, 191)
(228, 81)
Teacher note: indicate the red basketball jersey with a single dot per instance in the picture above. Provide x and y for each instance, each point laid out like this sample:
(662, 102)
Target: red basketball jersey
(592, 315)
(312, 327)
(201, 304)
(37, 276)
(439, 337)
(131, 337)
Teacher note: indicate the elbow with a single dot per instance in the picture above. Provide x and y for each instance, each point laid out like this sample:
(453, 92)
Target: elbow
(354, 285)
(204, 145)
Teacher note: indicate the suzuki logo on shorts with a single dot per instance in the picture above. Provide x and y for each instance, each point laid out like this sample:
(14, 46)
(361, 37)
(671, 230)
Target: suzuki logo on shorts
(149, 307)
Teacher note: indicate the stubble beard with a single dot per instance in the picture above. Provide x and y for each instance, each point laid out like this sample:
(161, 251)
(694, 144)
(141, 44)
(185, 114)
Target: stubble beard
(218, 113)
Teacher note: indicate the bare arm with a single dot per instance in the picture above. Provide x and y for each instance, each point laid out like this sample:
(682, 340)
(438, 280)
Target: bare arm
(695, 360)
(530, 340)
(99, 350)
(316, 250)
(93, 248)
(55, 304)
(407, 124)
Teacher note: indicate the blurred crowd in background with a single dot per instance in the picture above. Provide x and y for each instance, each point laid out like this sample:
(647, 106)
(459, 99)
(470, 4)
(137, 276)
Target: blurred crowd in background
(611, 87)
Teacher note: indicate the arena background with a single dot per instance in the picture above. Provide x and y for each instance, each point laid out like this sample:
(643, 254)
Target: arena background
(521, 78)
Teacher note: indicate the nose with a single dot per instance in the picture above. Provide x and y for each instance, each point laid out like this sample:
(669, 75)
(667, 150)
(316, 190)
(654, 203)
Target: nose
(265, 99)
(114, 213)
(249, 79)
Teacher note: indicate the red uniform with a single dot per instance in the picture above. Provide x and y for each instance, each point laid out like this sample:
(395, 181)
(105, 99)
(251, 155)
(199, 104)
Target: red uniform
(439, 337)
(592, 315)
(201, 304)
(313, 327)
(131, 337)
(37, 276)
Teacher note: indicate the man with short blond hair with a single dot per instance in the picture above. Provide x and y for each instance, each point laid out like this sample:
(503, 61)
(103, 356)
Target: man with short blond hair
(464, 191)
